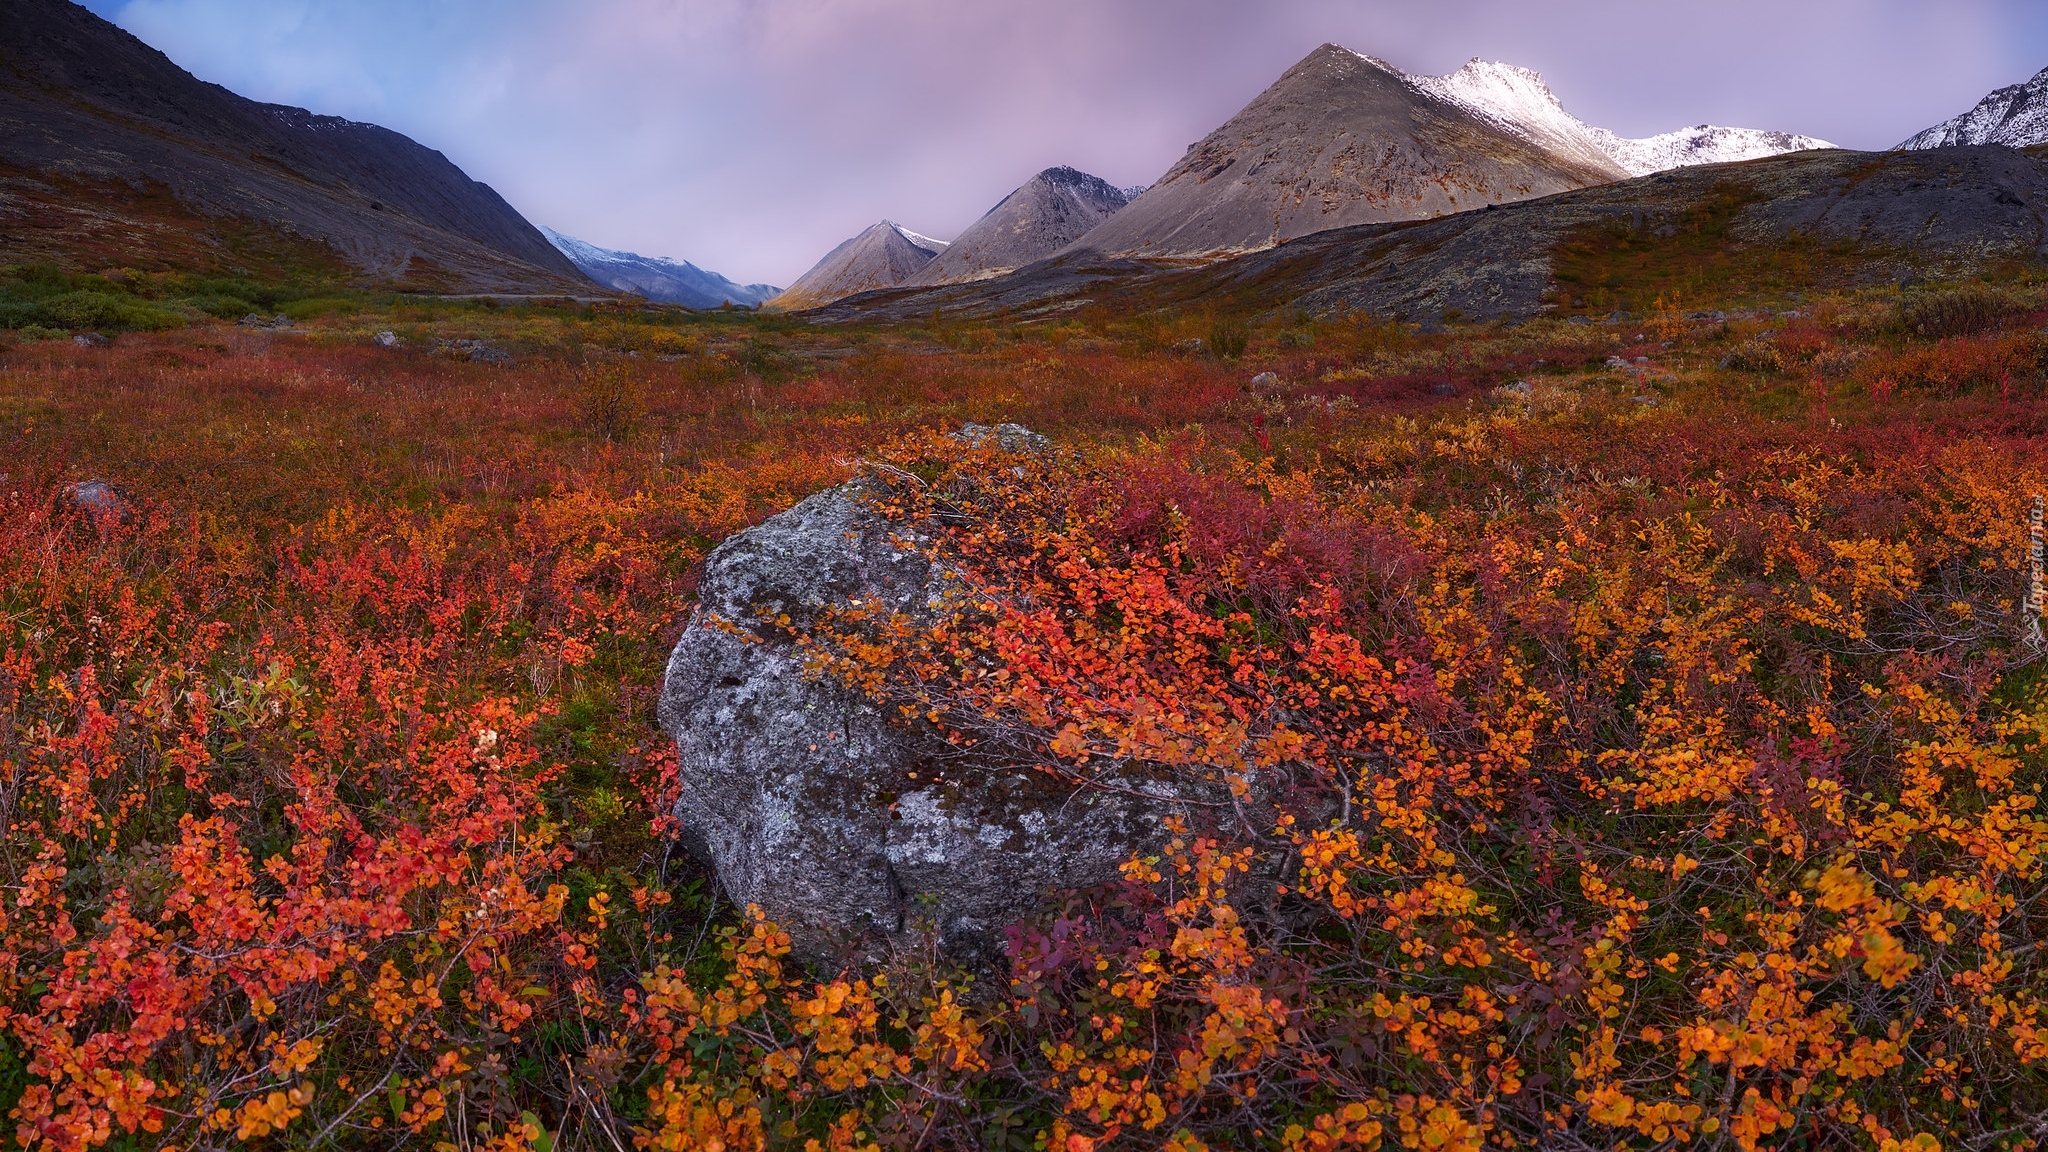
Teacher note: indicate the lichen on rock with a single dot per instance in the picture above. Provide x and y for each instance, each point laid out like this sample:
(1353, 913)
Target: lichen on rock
(843, 823)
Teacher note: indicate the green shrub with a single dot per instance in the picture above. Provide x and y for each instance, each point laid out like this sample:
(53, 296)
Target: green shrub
(1228, 338)
(318, 306)
(103, 310)
(16, 313)
(1963, 311)
(223, 307)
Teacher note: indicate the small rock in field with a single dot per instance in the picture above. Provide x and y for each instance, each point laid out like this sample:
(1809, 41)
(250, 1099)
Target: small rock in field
(1265, 380)
(96, 496)
(1192, 346)
(475, 350)
(90, 340)
(387, 340)
(1008, 437)
(1522, 387)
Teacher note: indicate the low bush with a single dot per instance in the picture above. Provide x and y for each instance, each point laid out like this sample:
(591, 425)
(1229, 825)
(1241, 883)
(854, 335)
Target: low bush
(1754, 356)
(87, 309)
(1963, 311)
(223, 307)
(1229, 338)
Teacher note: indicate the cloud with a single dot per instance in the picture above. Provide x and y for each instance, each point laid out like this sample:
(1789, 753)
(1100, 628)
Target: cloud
(750, 136)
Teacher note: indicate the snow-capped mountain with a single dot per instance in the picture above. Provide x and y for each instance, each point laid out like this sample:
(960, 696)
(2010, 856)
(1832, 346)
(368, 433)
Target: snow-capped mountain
(1343, 138)
(656, 277)
(883, 256)
(1517, 100)
(2016, 117)
(1702, 144)
(1340, 139)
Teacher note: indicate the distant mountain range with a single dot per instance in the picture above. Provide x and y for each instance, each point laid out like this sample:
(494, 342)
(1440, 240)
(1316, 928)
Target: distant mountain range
(96, 127)
(655, 277)
(2016, 117)
(1340, 139)
(1883, 217)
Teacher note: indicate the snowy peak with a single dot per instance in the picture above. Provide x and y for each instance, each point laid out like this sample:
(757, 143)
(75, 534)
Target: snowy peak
(1518, 100)
(1704, 144)
(655, 277)
(1340, 139)
(917, 240)
(2016, 117)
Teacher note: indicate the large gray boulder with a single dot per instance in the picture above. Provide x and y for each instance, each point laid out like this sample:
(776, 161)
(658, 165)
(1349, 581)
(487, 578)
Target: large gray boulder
(846, 825)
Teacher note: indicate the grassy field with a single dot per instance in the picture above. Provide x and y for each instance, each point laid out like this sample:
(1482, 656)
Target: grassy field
(1672, 672)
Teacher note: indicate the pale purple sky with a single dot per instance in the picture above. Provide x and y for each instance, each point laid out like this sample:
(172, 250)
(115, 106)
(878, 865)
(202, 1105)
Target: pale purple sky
(750, 136)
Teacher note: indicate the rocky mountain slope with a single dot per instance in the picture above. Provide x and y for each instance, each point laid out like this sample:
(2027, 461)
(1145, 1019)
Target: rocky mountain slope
(656, 277)
(1884, 215)
(100, 131)
(2015, 116)
(1339, 139)
(883, 256)
(1344, 139)
(1052, 209)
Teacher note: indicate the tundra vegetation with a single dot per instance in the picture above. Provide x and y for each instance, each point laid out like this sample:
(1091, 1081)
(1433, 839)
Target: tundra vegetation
(1659, 692)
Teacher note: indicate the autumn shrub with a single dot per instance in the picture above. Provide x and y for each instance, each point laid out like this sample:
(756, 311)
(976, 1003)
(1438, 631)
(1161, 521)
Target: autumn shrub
(1754, 355)
(1582, 857)
(1957, 365)
(1607, 775)
(611, 397)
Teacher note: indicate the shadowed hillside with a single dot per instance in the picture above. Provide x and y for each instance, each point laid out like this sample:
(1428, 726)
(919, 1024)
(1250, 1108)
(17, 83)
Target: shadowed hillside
(110, 151)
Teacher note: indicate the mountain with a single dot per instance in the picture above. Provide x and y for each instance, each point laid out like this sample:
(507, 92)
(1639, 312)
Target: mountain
(1343, 139)
(884, 256)
(1877, 217)
(1703, 144)
(1052, 209)
(106, 144)
(2016, 117)
(1517, 101)
(1339, 139)
(656, 277)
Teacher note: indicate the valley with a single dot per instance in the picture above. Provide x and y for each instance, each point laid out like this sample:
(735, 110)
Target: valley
(1432, 625)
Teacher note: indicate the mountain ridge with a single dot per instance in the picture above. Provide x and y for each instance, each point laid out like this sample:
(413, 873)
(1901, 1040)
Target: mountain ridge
(84, 102)
(1897, 215)
(2015, 116)
(656, 277)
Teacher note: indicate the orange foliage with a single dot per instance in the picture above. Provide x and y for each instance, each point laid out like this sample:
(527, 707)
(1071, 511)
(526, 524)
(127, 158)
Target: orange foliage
(1602, 775)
